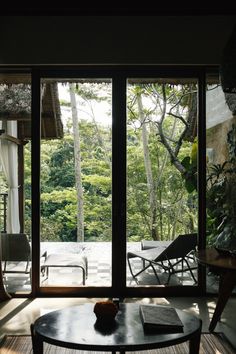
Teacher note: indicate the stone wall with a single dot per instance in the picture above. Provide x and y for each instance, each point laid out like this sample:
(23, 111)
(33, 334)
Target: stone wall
(216, 139)
(219, 120)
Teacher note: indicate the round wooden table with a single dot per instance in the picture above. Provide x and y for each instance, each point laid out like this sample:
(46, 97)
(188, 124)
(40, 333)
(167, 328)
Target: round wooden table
(226, 265)
(76, 327)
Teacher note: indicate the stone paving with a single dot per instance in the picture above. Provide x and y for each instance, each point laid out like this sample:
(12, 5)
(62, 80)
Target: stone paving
(99, 268)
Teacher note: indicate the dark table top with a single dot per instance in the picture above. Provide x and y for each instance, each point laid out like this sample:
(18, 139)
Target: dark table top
(211, 257)
(76, 327)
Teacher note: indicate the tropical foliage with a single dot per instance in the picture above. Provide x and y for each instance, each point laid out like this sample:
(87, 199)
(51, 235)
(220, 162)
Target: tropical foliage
(161, 167)
(220, 197)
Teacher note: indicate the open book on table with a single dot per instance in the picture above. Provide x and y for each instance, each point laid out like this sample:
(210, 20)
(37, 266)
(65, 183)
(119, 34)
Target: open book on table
(160, 318)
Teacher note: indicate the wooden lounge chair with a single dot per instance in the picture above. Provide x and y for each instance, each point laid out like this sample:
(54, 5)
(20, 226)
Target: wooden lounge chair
(167, 257)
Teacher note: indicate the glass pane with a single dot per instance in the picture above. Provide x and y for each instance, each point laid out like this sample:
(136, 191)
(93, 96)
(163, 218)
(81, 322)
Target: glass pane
(221, 171)
(15, 180)
(162, 198)
(76, 182)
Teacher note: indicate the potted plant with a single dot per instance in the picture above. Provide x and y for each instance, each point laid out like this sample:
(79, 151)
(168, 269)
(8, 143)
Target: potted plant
(221, 200)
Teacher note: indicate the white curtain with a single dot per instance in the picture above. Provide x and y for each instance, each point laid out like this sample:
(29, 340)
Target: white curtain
(9, 161)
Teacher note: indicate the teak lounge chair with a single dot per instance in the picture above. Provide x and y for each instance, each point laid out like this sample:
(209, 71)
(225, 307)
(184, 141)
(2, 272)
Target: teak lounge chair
(167, 257)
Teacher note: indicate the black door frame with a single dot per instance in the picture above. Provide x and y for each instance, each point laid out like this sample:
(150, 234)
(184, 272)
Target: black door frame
(119, 76)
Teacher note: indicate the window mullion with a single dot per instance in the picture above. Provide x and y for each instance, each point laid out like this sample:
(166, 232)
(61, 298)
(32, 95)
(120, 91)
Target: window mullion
(119, 185)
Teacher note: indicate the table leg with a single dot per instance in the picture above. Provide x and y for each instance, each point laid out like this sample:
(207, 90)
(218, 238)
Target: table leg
(194, 342)
(37, 344)
(227, 283)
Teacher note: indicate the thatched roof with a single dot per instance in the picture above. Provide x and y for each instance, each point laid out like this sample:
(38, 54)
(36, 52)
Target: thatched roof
(52, 126)
(15, 104)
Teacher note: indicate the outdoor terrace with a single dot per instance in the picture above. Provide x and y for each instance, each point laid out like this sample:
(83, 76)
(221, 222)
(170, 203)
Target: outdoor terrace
(99, 269)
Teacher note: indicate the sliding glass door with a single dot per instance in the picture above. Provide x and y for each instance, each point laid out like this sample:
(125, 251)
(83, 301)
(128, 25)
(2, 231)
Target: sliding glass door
(162, 187)
(116, 166)
(75, 183)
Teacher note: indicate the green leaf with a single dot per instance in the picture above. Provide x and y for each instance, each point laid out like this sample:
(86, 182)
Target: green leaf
(190, 186)
(186, 162)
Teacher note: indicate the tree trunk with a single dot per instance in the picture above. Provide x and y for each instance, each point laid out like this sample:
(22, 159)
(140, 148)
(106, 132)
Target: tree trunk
(148, 169)
(100, 138)
(78, 175)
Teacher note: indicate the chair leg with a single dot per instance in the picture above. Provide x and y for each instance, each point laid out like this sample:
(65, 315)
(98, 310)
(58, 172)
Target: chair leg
(170, 271)
(130, 269)
(27, 267)
(86, 268)
(190, 270)
(83, 274)
(45, 271)
(154, 271)
(5, 266)
(141, 271)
